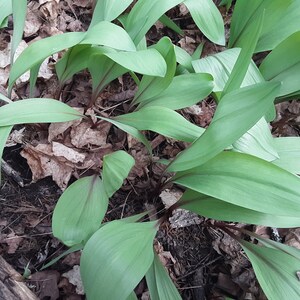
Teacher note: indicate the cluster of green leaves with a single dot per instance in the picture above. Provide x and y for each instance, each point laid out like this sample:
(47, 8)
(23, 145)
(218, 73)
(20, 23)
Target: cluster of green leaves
(234, 170)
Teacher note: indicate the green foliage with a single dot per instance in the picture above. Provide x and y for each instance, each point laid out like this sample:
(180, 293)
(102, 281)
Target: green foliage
(123, 247)
(234, 170)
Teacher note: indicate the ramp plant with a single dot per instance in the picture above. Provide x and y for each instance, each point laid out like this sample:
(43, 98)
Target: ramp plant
(234, 170)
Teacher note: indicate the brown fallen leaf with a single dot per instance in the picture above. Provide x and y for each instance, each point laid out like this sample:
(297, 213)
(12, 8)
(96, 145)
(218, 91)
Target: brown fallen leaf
(68, 153)
(13, 242)
(74, 278)
(46, 284)
(293, 238)
(43, 163)
(85, 134)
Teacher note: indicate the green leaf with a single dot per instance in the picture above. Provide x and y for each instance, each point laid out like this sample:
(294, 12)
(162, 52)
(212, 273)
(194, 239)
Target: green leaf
(289, 153)
(246, 181)
(75, 60)
(37, 110)
(236, 113)
(117, 38)
(5, 11)
(171, 24)
(148, 62)
(258, 141)
(283, 65)
(217, 209)
(220, 65)
(97, 35)
(281, 20)
(108, 10)
(116, 258)
(101, 77)
(19, 9)
(163, 121)
(151, 86)
(208, 19)
(40, 50)
(144, 14)
(80, 211)
(130, 130)
(160, 285)
(275, 270)
(184, 91)
(242, 63)
(116, 167)
(184, 59)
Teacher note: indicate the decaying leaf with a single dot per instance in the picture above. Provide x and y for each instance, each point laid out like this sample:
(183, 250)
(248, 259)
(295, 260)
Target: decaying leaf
(85, 134)
(43, 163)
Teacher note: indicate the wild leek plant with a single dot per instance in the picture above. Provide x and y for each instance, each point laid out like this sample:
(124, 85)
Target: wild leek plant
(234, 170)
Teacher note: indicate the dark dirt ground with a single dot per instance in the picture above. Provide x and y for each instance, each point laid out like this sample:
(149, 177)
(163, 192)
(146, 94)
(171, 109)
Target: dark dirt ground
(204, 262)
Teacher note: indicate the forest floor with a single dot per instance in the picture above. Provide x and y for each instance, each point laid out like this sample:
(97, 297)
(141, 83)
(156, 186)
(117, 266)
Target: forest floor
(204, 263)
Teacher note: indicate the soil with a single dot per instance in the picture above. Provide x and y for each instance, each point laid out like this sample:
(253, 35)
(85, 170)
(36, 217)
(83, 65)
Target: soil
(203, 262)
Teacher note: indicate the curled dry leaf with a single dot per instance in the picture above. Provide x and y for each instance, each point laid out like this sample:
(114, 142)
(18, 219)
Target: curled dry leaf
(43, 163)
(32, 23)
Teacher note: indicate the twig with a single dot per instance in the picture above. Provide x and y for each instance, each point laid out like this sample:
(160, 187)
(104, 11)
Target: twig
(9, 171)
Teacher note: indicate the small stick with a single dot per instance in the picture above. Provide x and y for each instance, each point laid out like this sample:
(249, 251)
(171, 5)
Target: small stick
(9, 171)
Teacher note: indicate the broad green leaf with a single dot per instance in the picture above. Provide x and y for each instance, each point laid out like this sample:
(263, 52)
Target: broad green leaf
(289, 153)
(37, 110)
(283, 65)
(103, 70)
(116, 258)
(5, 11)
(220, 65)
(116, 167)
(184, 59)
(160, 285)
(281, 20)
(242, 63)
(97, 35)
(75, 60)
(184, 91)
(246, 181)
(130, 130)
(151, 86)
(171, 24)
(258, 141)
(108, 10)
(217, 209)
(163, 121)
(80, 211)
(144, 14)
(148, 62)
(275, 270)
(40, 50)
(208, 19)
(19, 9)
(117, 38)
(236, 113)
